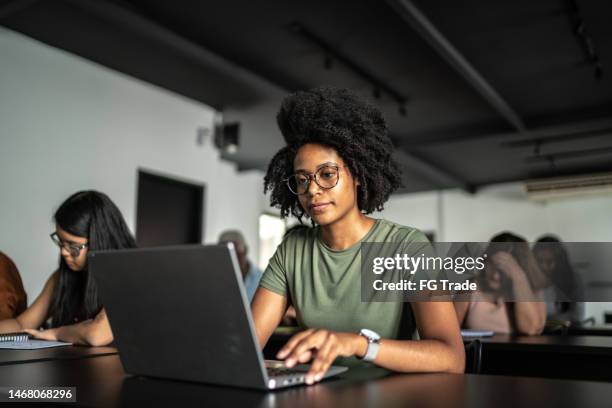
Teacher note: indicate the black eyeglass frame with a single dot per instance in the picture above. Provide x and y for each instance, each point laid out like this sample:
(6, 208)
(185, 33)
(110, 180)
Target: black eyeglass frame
(74, 250)
(313, 176)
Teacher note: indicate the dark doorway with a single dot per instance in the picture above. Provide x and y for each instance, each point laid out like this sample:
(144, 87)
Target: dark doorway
(169, 211)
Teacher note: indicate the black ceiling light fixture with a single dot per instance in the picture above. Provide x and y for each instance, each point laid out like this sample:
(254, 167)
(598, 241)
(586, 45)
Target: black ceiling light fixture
(330, 54)
(227, 137)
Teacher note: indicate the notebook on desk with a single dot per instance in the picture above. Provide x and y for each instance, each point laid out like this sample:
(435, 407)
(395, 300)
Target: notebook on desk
(23, 341)
(476, 333)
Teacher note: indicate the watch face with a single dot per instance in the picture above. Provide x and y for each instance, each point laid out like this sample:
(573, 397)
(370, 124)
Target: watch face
(370, 334)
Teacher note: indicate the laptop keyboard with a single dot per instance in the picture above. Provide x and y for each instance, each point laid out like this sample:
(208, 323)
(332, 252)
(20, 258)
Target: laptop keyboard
(278, 368)
(274, 372)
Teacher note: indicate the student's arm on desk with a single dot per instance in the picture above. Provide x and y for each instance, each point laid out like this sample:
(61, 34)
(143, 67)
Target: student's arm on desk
(35, 315)
(92, 332)
(268, 309)
(439, 350)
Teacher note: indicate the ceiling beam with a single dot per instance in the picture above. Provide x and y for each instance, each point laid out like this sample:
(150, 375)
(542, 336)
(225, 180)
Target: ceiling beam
(147, 28)
(543, 134)
(441, 177)
(14, 6)
(376, 83)
(425, 28)
(569, 154)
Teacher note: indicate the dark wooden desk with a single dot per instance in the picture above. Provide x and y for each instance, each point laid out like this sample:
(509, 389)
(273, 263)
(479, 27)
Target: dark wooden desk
(55, 353)
(565, 357)
(570, 357)
(101, 381)
(599, 330)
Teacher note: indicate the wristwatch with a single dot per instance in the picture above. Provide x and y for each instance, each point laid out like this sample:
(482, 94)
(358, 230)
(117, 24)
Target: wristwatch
(373, 339)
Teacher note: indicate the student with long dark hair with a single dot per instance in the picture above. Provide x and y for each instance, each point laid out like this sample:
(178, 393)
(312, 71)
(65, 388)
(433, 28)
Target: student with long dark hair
(565, 285)
(511, 272)
(68, 305)
(336, 168)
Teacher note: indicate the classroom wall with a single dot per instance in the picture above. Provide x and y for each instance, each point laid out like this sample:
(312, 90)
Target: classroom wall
(459, 216)
(68, 124)
(456, 215)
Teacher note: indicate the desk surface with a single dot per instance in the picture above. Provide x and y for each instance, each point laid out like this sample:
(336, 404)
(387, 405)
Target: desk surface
(55, 353)
(558, 344)
(597, 330)
(101, 381)
(566, 357)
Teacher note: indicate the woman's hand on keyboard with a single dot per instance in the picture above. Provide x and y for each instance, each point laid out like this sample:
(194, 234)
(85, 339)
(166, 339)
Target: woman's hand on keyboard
(324, 346)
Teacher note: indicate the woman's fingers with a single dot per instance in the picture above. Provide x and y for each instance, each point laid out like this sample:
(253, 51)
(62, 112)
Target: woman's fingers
(50, 334)
(40, 334)
(305, 357)
(324, 345)
(313, 341)
(293, 341)
(325, 357)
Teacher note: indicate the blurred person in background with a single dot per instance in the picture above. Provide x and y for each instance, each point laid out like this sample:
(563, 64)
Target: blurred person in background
(250, 272)
(566, 286)
(13, 299)
(510, 295)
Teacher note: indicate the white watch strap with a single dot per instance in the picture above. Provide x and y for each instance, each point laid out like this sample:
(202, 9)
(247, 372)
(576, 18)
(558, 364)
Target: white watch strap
(372, 352)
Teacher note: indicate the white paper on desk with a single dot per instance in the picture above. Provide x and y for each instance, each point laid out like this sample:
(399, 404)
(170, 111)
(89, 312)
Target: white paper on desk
(32, 344)
(477, 333)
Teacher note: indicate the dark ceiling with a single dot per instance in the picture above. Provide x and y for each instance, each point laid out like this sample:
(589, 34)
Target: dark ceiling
(475, 92)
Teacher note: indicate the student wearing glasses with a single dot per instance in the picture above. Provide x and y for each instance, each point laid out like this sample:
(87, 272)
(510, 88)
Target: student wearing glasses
(69, 305)
(335, 169)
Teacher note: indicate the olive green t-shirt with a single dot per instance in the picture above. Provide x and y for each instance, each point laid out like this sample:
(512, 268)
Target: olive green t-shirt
(324, 285)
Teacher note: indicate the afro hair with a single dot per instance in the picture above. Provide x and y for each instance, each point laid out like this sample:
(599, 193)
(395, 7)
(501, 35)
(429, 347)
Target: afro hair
(338, 119)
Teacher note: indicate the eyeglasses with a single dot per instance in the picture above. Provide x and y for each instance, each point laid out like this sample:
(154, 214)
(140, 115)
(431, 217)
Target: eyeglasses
(74, 250)
(326, 177)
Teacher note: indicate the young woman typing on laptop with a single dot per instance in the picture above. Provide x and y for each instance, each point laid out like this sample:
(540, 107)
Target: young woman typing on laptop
(86, 221)
(336, 168)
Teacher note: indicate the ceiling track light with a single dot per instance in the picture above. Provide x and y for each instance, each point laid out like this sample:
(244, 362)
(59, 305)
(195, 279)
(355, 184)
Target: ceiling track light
(584, 39)
(331, 55)
(538, 142)
(570, 154)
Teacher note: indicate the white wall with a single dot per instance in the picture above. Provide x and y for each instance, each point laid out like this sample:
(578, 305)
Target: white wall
(68, 124)
(458, 216)
(587, 219)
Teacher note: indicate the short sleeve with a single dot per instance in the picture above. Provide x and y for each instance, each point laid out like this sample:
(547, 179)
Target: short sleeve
(275, 276)
(415, 243)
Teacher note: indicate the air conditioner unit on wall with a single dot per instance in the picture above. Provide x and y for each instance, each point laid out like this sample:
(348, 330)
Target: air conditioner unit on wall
(572, 186)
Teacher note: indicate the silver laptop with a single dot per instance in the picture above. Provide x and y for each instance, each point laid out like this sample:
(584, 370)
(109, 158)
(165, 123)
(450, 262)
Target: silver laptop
(182, 313)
